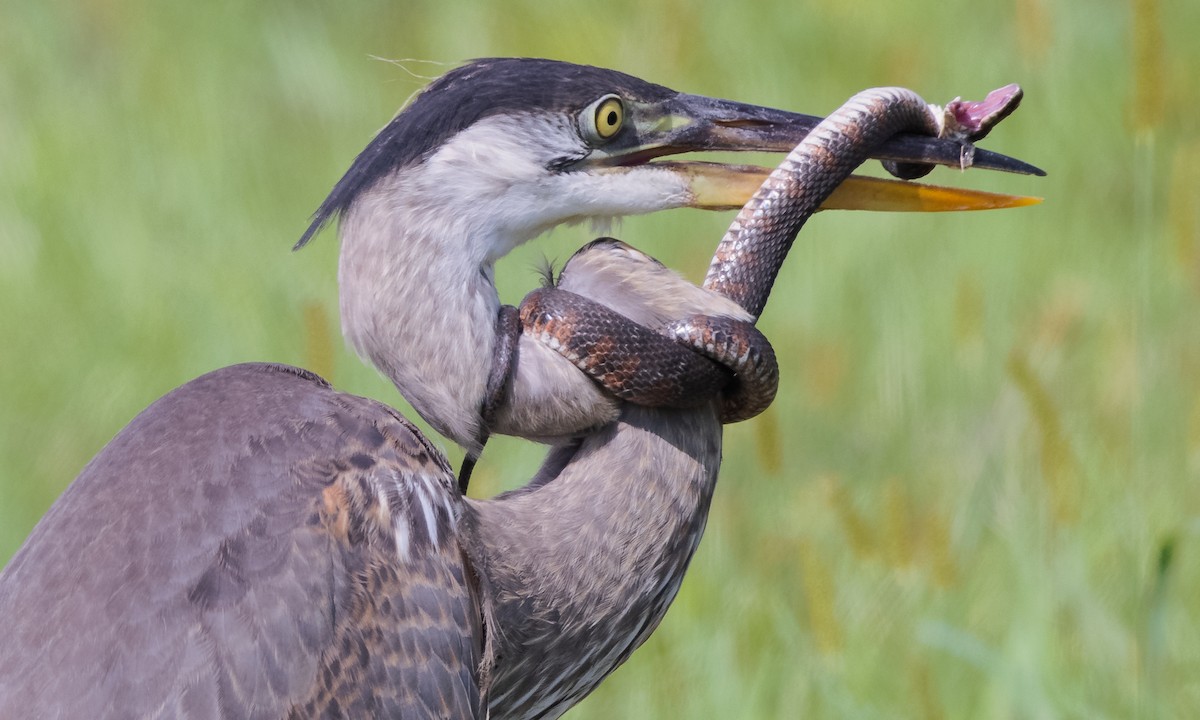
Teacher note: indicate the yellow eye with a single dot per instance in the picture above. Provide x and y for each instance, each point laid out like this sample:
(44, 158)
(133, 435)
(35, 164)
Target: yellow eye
(607, 117)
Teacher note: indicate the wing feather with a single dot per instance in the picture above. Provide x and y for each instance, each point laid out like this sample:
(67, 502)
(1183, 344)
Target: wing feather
(236, 552)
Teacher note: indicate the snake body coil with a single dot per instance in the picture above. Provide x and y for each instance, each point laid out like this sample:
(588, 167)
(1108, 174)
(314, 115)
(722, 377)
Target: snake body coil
(698, 356)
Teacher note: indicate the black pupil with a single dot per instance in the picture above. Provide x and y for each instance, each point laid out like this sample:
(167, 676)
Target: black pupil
(611, 117)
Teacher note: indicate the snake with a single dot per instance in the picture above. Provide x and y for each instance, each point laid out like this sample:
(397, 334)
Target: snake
(697, 357)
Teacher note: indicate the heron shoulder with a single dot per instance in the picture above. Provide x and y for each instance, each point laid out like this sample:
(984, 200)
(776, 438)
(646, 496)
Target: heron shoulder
(268, 542)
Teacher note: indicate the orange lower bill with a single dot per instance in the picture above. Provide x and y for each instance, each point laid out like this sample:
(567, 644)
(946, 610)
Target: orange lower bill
(728, 187)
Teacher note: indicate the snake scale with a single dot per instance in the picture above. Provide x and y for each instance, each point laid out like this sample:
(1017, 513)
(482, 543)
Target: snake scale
(702, 355)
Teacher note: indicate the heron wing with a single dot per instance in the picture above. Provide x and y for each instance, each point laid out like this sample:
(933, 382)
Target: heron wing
(253, 545)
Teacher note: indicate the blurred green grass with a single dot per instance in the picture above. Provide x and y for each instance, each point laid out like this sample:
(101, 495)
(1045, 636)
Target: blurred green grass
(978, 493)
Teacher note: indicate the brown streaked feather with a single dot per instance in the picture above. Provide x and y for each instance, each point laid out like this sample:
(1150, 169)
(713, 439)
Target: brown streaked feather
(409, 645)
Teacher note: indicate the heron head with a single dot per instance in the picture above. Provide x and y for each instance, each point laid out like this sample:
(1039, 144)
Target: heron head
(514, 146)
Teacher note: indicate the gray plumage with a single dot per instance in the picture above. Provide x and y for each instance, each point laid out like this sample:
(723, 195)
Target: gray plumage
(258, 545)
(233, 553)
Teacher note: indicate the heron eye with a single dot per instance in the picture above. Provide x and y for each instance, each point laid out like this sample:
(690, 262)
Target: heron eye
(607, 116)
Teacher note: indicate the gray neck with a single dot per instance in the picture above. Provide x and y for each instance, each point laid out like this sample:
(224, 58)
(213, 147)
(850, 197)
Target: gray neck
(419, 302)
(582, 564)
(578, 568)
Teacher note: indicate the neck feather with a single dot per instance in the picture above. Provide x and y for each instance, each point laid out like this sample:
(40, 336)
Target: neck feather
(418, 302)
(596, 549)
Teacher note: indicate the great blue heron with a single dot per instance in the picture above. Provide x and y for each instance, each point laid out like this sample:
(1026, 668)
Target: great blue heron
(258, 545)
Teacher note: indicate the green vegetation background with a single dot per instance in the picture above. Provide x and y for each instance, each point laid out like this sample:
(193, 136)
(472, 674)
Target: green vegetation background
(978, 492)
